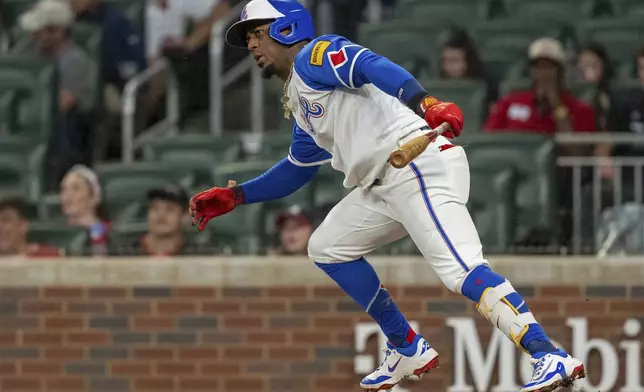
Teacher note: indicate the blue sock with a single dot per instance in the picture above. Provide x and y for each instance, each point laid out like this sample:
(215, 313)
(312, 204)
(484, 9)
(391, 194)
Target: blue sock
(360, 281)
(535, 339)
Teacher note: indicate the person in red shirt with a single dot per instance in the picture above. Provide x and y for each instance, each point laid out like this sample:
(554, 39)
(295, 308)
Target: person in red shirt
(14, 227)
(547, 107)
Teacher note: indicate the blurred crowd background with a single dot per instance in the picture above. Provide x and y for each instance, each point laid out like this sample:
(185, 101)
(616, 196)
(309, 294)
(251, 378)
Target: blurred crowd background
(106, 122)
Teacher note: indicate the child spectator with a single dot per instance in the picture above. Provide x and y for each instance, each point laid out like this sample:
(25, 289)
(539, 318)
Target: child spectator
(594, 66)
(167, 216)
(460, 60)
(80, 199)
(14, 228)
(295, 228)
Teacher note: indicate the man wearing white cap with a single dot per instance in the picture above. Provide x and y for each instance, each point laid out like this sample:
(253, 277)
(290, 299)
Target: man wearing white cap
(49, 22)
(547, 107)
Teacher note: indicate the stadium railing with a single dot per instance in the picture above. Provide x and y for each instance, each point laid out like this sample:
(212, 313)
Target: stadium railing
(168, 125)
(598, 202)
(220, 79)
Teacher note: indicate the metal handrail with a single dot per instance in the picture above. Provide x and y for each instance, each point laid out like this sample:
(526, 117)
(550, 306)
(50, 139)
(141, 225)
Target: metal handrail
(598, 137)
(128, 122)
(219, 79)
(619, 164)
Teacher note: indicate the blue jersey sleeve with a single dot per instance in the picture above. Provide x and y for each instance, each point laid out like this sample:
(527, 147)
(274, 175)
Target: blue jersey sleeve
(331, 61)
(304, 151)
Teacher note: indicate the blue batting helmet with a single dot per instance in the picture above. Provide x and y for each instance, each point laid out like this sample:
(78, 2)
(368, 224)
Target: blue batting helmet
(284, 14)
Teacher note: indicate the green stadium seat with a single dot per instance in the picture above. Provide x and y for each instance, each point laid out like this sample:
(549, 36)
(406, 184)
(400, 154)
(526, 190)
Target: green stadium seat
(36, 100)
(621, 36)
(398, 41)
(239, 172)
(9, 108)
(442, 10)
(626, 71)
(514, 85)
(126, 183)
(237, 108)
(629, 7)
(270, 146)
(547, 11)
(21, 167)
(469, 95)
(73, 240)
(498, 63)
(533, 158)
(492, 206)
(197, 152)
(512, 35)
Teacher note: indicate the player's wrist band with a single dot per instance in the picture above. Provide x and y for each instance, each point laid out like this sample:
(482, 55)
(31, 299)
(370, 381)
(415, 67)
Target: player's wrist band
(238, 193)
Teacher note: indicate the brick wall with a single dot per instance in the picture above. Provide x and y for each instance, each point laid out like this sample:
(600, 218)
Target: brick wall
(280, 338)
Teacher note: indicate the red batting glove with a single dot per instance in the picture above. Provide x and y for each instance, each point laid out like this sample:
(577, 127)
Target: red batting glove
(212, 203)
(437, 112)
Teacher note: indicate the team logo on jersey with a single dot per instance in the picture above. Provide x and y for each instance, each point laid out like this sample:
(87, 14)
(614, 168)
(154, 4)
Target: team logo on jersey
(311, 110)
(317, 54)
(339, 58)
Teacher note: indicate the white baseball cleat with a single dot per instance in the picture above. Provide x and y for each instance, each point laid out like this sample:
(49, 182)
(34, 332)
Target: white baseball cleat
(401, 363)
(553, 370)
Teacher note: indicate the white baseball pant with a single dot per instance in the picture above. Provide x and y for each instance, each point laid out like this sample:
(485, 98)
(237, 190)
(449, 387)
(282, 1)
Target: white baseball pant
(427, 200)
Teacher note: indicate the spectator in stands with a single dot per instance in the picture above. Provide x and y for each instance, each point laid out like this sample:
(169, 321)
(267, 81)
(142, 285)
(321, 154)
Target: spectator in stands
(546, 108)
(167, 34)
(49, 23)
(123, 52)
(167, 216)
(80, 200)
(14, 228)
(295, 227)
(461, 60)
(594, 66)
(459, 57)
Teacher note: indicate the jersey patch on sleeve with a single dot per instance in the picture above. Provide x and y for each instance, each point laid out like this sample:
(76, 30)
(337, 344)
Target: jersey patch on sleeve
(317, 54)
(330, 62)
(338, 58)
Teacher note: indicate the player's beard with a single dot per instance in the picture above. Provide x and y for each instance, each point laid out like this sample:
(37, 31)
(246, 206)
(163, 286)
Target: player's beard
(268, 71)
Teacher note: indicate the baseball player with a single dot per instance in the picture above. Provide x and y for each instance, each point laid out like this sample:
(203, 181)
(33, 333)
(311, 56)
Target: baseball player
(352, 108)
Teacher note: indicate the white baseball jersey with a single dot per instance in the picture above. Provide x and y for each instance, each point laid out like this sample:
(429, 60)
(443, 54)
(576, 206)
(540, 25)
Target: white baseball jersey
(339, 118)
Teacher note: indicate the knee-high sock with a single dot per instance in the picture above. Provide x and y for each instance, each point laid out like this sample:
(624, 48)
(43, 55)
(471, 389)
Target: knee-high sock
(503, 306)
(360, 281)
